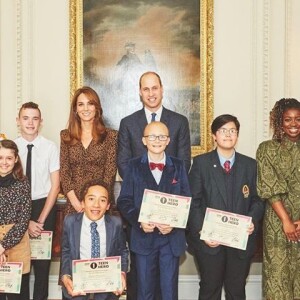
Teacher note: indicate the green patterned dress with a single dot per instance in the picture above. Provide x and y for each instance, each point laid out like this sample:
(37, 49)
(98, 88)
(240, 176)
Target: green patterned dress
(279, 179)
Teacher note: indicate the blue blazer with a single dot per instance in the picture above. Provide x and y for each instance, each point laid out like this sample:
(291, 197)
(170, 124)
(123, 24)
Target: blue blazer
(115, 246)
(138, 178)
(208, 188)
(131, 132)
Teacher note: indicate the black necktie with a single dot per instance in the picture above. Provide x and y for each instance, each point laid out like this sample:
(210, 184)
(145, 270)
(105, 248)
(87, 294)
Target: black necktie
(153, 117)
(28, 162)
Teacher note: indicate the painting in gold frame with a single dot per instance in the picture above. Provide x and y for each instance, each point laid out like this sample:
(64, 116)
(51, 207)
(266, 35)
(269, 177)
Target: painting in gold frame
(112, 44)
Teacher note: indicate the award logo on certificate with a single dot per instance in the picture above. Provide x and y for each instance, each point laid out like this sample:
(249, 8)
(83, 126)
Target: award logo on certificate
(97, 275)
(41, 246)
(167, 209)
(225, 228)
(10, 277)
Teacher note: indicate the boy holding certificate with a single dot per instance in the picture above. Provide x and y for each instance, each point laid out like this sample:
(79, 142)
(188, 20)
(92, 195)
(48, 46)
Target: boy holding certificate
(40, 159)
(225, 180)
(92, 234)
(157, 247)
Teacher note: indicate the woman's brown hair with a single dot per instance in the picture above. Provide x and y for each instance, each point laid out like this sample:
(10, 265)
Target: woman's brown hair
(17, 169)
(74, 123)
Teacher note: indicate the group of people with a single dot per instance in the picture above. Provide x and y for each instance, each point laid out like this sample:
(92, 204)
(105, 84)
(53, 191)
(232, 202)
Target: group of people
(151, 150)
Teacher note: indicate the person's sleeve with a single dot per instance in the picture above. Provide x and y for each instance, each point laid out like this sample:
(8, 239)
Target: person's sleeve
(54, 163)
(66, 261)
(125, 202)
(65, 167)
(111, 162)
(271, 183)
(184, 143)
(124, 148)
(16, 233)
(257, 206)
(122, 247)
(196, 215)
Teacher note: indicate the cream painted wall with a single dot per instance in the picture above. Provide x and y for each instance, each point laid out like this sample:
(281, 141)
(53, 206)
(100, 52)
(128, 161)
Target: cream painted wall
(256, 62)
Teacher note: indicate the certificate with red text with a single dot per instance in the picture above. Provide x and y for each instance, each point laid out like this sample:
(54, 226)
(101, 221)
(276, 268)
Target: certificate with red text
(225, 228)
(10, 277)
(167, 209)
(41, 246)
(97, 275)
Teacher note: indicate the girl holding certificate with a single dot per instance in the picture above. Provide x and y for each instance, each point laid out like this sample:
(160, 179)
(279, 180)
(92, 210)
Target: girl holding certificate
(15, 209)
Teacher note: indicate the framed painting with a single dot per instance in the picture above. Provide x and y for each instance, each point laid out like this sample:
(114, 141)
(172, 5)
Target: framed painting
(113, 42)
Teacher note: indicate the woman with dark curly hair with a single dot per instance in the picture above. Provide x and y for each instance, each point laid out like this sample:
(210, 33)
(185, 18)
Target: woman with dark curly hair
(15, 209)
(88, 149)
(279, 184)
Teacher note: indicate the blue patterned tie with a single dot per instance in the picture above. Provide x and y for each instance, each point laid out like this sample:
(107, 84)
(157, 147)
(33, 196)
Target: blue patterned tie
(153, 117)
(95, 241)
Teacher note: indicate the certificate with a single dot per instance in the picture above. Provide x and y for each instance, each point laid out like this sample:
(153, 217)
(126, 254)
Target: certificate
(97, 275)
(226, 228)
(167, 209)
(10, 277)
(41, 246)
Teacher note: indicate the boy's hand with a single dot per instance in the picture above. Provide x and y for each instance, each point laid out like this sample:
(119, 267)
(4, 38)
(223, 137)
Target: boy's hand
(123, 279)
(250, 229)
(212, 244)
(68, 283)
(2, 259)
(164, 229)
(35, 228)
(147, 227)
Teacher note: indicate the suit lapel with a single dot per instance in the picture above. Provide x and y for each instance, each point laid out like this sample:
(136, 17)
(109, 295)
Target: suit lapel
(109, 233)
(146, 173)
(142, 120)
(76, 233)
(218, 175)
(167, 176)
(238, 178)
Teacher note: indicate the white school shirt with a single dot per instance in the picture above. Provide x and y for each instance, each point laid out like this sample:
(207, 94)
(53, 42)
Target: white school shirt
(156, 172)
(45, 160)
(86, 238)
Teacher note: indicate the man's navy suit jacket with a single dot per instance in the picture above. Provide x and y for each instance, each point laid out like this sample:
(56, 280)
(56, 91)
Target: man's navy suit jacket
(138, 178)
(131, 131)
(208, 187)
(115, 245)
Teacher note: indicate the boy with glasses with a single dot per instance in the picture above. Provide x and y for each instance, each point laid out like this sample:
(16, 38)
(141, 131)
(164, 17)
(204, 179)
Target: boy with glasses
(223, 179)
(157, 247)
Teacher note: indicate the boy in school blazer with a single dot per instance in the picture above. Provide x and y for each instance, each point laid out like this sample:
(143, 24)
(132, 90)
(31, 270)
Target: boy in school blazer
(157, 247)
(74, 242)
(215, 185)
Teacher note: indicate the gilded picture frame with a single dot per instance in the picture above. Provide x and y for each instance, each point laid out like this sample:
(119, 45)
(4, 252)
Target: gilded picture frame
(200, 112)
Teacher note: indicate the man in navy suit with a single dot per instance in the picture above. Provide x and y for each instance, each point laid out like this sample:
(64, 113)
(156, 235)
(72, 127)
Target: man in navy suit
(132, 127)
(77, 240)
(157, 247)
(130, 142)
(225, 180)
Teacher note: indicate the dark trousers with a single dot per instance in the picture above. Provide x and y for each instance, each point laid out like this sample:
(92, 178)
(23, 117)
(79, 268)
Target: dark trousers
(224, 268)
(24, 293)
(160, 261)
(42, 267)
(132, 277)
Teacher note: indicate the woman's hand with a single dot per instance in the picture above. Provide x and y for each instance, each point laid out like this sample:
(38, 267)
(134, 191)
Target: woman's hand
(147, 227)
(289, 229)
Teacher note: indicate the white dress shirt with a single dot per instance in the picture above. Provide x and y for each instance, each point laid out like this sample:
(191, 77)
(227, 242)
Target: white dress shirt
(45, 160)
(156, 172)
(86, 238)
(149, 114)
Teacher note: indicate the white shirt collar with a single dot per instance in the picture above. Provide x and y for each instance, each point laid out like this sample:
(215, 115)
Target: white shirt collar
(149, 114)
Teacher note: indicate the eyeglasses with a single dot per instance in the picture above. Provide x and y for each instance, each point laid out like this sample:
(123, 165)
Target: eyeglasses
(153, 137)
(230, 131)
